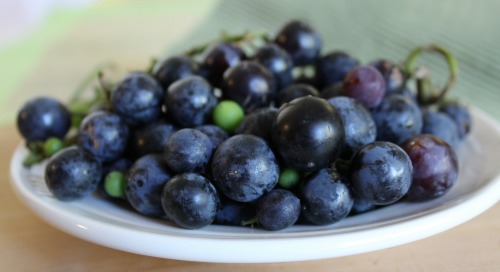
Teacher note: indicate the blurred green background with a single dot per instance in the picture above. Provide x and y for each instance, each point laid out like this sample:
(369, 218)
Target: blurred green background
(57, 54)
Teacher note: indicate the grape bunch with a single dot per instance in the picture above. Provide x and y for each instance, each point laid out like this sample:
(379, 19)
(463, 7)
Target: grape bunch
(254, 130)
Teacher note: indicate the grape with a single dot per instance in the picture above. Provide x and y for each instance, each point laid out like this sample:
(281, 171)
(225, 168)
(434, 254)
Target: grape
(215, 134)
(150, 138)
(365, 84)
(114, 184)
(190, 101)
(137, 98)
(43, 117)
(392, 73)
(381, 172)
(218, 58)
(228, 115)
(72, 174)
(295, 91)
(359, 126)
(441, 125)
(190, 200)
(144, 183)
(249, 84)
(461, 115)
(52, 145)
(244, 168)
(104, 135)
(278, 63)
(234, 213)
(188, 150)
(325, 197)
(174, 68)
(308, 133)
(301, 41)
(333, 90)
(397, 118)
(333, 67)
(277, 210)
(289, 178)
(258, 123)
(435, 167)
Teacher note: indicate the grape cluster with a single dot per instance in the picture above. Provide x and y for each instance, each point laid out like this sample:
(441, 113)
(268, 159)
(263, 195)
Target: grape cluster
(253, 130)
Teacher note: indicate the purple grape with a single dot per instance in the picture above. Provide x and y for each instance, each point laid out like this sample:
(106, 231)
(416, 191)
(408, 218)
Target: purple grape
(278, 62)
(218, 58)
(365, 84)
(301, 41)
(250, 84)
(435, 167)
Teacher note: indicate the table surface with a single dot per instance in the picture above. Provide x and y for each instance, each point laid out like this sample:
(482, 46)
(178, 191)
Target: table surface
(53, 60)
(27, 243)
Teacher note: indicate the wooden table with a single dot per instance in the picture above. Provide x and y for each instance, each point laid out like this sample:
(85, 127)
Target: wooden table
(28, 244)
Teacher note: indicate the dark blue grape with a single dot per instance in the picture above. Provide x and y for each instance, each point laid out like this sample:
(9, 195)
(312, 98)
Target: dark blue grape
(398, 118)
(216, 134)
(361, 205)
(334, 90)
(392, 73)
(244, 168)
(234, 213)
(218, 58)
(258, 123)
(137, 98)
(104, 135)
(295, 91)
(250, 84)
(190, 200)
(72, 173)
(144, 183)
(188, 150)
(358, 123)
(441, 125)
(190, 101)
(461, 115)
(277, 210)
(381, 172)
(301, 41)
(174, 68)
(435, 167)
(151, 138)
(325, 197)
(333, 67)
(365, 84)
(43, 117)
(308, 133)
(278, 62)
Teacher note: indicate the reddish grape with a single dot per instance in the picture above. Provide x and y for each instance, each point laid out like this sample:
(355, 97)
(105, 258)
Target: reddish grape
(365, 84)
(435, 167)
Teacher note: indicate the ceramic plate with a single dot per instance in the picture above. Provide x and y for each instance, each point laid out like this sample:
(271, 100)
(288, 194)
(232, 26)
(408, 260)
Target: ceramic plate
(104, 223)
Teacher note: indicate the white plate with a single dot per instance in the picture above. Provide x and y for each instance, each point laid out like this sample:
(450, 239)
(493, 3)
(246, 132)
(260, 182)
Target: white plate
(107, 224)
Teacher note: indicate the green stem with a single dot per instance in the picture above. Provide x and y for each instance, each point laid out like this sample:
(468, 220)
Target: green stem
(249, 222)
(427, 93)
(84, 85)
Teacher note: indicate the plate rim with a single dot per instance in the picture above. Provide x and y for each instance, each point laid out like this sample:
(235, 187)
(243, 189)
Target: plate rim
(191, 248)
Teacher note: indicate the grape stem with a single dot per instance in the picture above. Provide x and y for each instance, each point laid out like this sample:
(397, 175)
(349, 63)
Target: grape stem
(427, 92)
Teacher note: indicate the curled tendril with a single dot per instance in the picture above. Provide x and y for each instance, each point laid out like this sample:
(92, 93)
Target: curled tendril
(427, 92)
